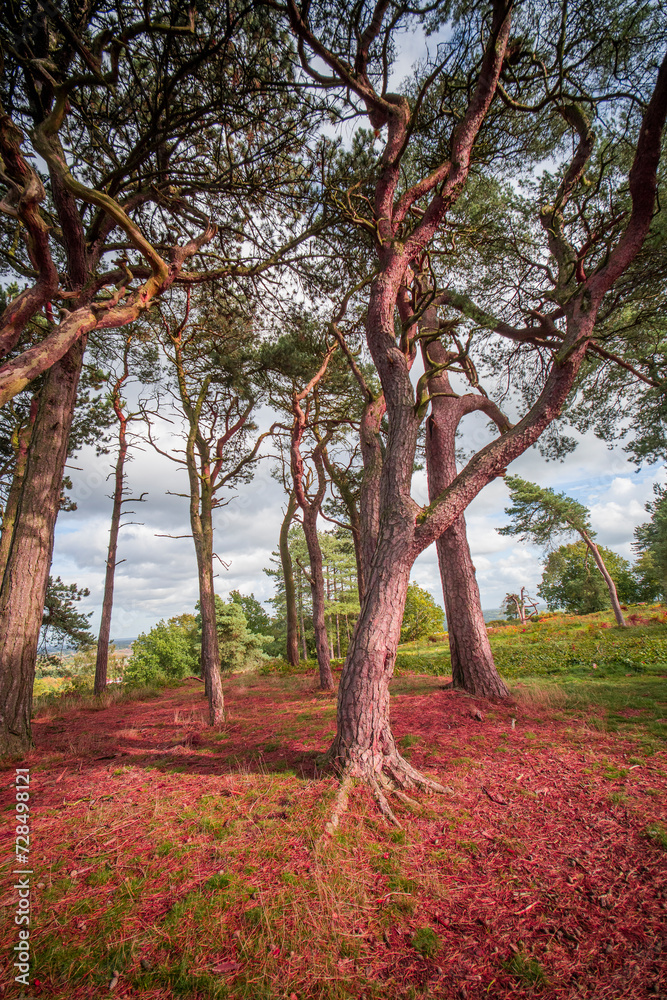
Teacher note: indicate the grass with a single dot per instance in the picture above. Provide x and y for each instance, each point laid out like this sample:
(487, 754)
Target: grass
(425, 941)
(572, 666)
(52, 704)
(224, 889)
(657, 834)
(526, 970)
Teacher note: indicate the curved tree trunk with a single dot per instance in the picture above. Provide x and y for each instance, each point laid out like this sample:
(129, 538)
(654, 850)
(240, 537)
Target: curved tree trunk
(101, 664)
(364, 741)
(319, 601)
(611, 586)
(473, 667)
(292, 644)
(26, 574)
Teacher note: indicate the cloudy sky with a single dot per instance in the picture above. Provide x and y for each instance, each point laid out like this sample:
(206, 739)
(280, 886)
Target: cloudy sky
(158, 577)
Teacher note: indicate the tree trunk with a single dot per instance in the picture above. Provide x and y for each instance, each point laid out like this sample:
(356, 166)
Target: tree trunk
(101, 664)
(292, 651)
(302, 619)
(369, 501)
(201, 522)
(26, 574)
(14, 497)
(520, 609)
(319, 602)
(599, 562)
(364, 746)
(473, 668)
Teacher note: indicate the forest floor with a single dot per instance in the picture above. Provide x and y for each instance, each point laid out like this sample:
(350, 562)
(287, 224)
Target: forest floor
(171, 860)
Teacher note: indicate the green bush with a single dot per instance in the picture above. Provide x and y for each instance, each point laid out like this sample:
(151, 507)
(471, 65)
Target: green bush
(239, 647)
(168, 652)
(422, 616)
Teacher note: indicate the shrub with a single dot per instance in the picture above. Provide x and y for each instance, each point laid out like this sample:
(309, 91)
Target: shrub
(239, 647)
(168, 652)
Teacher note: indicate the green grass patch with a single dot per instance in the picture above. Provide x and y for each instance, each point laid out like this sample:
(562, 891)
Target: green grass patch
(657, 834)
(425, 941)
(527, 970)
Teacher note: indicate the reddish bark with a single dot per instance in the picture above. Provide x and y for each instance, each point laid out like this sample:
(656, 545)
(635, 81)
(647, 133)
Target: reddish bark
(23, 590)
(29, 193)
(473, 668)
(369, 504)
(363, 743)
(10, 514)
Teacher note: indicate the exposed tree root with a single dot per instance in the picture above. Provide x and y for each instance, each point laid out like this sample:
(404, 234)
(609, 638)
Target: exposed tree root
(340, 805)
(392, 778)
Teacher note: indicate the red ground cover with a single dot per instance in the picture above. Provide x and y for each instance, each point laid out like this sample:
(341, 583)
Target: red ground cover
(538, 853)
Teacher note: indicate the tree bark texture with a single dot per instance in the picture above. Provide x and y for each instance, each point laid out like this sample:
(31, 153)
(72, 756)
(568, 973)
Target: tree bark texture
(364, 743)
(23, 590)
(292, 644)
(369, 501)
(473, 667)
(364, 738)
(16, 488)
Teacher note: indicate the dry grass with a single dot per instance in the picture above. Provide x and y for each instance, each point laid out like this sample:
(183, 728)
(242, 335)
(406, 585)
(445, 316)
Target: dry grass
(538, 695)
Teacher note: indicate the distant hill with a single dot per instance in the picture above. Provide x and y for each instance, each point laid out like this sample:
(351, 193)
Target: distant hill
(492, 614)
(124, 643)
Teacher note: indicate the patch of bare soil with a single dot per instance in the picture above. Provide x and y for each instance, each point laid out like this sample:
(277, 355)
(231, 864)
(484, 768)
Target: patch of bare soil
(160, 845)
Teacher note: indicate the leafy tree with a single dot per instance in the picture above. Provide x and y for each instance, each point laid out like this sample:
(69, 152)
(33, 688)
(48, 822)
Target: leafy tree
(256, 616)
(209, 358)
(571, 582)
(239, 647)
(422, 616)
(155, 133)
(62, 624)
(651, 544)
(541, 515)
(307, 379)
(405, 206)
(167, 652)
